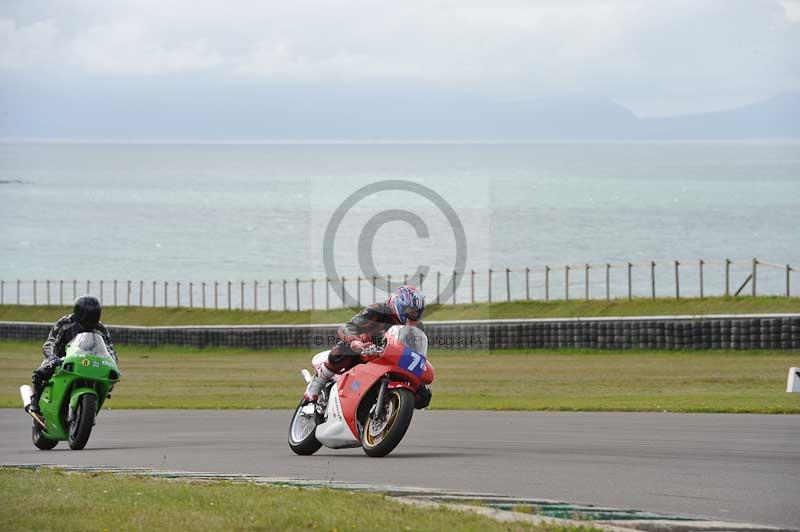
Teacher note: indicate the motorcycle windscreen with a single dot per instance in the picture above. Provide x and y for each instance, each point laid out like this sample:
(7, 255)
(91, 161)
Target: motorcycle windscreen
(89, 343)
(413, 338)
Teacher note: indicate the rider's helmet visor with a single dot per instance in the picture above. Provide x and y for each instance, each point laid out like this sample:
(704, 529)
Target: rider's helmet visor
(414, 314)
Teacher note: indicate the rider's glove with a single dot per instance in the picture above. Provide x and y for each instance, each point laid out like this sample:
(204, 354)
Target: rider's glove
(371, 353)
(359, 346)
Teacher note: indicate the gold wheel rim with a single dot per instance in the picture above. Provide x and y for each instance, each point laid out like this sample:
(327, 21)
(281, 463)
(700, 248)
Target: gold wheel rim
(373, 439)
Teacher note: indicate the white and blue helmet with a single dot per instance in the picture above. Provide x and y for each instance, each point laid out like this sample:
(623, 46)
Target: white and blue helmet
(407, 303)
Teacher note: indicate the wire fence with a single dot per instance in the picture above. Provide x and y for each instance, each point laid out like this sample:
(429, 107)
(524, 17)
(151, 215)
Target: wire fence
(652, 279)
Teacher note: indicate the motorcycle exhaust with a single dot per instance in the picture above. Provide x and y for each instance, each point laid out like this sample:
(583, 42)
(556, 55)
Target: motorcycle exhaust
(26, 392)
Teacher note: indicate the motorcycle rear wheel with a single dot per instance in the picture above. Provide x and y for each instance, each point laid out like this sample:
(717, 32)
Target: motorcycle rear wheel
(80, 428)
(302, 433)
(379, 438)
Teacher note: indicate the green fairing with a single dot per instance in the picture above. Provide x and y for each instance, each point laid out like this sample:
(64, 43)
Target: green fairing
(80, 373)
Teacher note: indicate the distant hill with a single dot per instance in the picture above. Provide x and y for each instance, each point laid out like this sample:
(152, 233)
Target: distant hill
(775, 117)
(203, 112)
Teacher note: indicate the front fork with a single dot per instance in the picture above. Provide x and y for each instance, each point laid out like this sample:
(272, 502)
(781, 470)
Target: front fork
(380, 413)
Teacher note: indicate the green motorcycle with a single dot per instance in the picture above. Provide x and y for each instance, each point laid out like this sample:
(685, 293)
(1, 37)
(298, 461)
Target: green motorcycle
(74, 394)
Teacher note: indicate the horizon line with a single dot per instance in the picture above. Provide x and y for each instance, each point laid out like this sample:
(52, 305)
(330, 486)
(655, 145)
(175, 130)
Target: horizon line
(390, 140)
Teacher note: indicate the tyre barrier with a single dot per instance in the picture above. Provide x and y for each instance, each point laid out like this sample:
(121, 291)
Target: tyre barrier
(668, 332)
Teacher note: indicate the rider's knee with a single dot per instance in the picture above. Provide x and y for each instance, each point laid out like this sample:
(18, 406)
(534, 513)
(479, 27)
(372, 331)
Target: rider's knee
(423, 397)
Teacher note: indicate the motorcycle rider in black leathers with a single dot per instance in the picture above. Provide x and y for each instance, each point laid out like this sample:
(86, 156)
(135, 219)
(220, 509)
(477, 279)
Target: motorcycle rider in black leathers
(85, 317)
(404, 307)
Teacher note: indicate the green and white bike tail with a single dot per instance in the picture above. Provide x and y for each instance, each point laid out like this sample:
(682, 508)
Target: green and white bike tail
(74, 394)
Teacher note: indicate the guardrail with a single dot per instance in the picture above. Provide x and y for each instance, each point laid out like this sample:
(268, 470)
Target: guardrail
(645, 332)
(674, 278)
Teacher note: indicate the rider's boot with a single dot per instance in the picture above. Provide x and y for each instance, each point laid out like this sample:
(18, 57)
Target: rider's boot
(33, 408)
(324, 376)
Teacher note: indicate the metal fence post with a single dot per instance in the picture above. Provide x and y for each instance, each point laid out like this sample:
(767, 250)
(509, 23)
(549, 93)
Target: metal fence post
(141, 293)
(61, 292)
(586, 283)
(216, 295)
(608, 278)
(128, 296)
(374, 288)
(203, 293)
(788, 269)
(18, 283)
(727, 277)
(344, 303)
(755, 271)
(269, 295)
(327, 293)
(472, 286)
(229, 295)
(34, 291)
(115, 292)
(653, 278)
(566, 282)
(88, 287)
(630, 283)
(255, 294)
(191, 294)
(285, 305)
(455, 273)
(312, 294)
(527, 284)
(405, 279)
(241, 295)
(178, 294)
(508, 284)
(490, 285)
(47, 283)
(297, 293)
(702, 292)
(166, 292)
(101, 290)
(2, 292)
(421, 277)
(546, 283)
(74, 288)
(358, 291)
(677, 280)
(388, 285)
(154, 293)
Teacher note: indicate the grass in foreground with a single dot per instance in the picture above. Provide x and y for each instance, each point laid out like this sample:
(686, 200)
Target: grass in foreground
(54, 500)
(514, 309)
(586, 380)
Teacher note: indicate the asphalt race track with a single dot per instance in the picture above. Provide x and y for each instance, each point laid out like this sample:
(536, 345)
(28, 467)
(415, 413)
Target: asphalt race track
(722, 466)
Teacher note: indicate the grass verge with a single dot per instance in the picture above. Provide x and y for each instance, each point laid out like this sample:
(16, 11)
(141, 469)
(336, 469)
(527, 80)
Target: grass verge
(585, 380)
(505, 310)
(53, 500)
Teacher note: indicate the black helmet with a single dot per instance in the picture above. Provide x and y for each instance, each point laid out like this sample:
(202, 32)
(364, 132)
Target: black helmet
(87, 309)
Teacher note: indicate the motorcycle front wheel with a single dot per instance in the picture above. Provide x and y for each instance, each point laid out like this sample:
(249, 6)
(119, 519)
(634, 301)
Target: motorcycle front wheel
(80, 428)
(380, 437)
(302, 430)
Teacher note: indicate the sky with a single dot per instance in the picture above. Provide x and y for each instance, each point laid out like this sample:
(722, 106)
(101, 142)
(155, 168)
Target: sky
(653, 57)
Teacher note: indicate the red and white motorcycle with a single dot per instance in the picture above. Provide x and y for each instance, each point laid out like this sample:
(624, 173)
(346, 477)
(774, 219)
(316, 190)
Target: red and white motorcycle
(370, 405)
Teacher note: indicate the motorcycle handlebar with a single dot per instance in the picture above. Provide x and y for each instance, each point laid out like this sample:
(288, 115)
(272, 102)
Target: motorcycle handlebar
(372, 351)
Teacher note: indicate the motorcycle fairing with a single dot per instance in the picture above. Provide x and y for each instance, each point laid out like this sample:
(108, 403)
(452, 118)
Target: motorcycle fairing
(336, 432)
